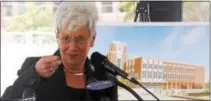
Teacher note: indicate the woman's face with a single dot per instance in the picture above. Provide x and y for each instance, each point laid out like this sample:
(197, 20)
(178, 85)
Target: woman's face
(74, 46)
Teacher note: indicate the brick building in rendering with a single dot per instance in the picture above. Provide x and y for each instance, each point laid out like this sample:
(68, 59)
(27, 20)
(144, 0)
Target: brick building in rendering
(157, 73)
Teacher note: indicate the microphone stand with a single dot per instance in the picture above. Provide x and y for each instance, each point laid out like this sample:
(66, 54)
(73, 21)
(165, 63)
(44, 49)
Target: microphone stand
(130, 90)
(136, 82)
(114, 79)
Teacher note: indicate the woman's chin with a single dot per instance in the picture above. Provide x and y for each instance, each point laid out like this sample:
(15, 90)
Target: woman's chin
(75, 62)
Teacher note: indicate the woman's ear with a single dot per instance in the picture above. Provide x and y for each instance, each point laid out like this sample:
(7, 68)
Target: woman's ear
(93, 40)
(57, 39)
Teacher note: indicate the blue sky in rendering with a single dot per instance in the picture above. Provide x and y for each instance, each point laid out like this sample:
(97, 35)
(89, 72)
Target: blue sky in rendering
(183, 43)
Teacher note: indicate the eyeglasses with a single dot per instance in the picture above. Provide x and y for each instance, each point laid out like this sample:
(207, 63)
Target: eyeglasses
(79, 39)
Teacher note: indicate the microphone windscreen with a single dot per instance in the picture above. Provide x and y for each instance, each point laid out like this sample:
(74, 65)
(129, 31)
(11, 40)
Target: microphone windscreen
(97, 59)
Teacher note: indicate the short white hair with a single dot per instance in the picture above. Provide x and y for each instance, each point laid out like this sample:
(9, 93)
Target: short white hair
(74, 14)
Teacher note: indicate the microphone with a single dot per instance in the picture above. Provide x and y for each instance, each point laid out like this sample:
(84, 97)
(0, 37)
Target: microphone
(99, 60)
(93, 83)
(108, 83)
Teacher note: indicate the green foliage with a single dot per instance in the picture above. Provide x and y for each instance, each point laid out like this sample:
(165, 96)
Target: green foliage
(187, 4)
(129, 8)
(36, 18)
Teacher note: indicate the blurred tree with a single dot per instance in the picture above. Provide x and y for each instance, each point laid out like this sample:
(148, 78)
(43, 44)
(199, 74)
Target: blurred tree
(129, 8)
(196, 11)
(192, 11)
(36, 18)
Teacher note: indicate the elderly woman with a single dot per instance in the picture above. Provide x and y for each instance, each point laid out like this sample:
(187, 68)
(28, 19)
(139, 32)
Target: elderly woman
(63, 76)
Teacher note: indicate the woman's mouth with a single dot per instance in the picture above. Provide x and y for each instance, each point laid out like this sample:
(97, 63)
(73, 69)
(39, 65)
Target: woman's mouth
(73, 55)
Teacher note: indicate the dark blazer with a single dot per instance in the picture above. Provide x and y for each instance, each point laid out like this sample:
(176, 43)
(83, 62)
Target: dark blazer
(53, 87)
